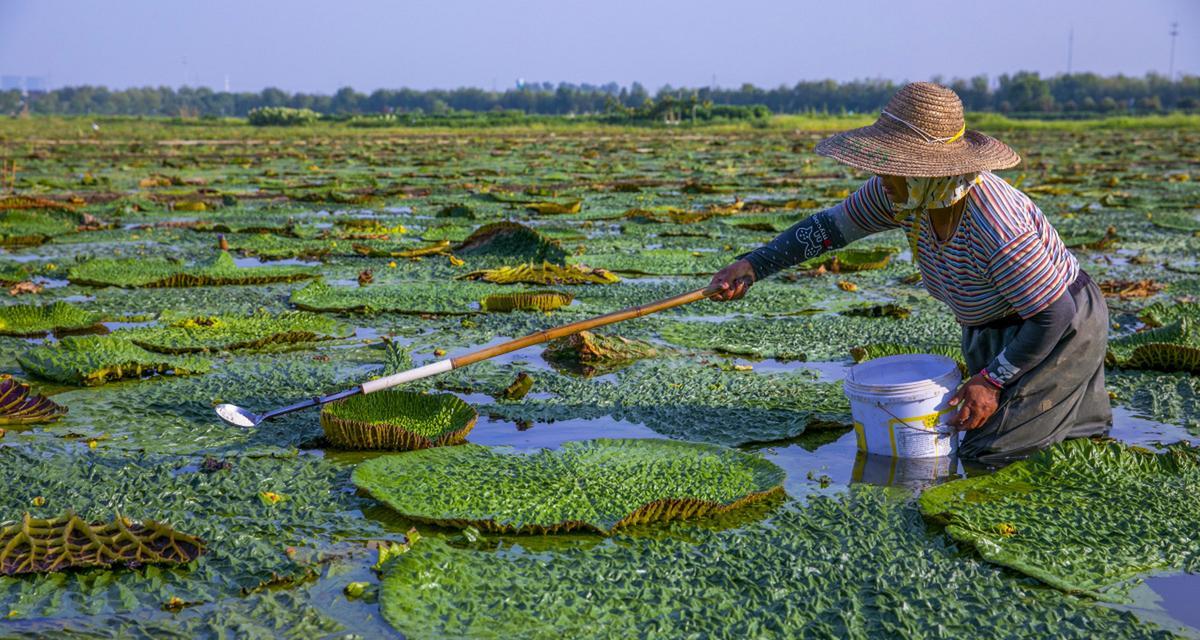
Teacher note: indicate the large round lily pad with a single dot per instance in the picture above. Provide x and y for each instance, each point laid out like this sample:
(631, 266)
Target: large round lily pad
(395, 419)
(599, 485)
(1081, 516)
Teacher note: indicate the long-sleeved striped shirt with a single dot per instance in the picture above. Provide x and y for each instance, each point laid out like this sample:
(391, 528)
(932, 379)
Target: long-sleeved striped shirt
(1003, 258)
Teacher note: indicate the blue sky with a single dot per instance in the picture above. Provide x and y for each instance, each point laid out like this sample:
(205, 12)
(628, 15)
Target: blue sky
(306, 45)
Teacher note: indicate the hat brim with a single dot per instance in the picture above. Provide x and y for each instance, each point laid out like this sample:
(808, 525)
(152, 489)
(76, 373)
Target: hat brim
(880, 149)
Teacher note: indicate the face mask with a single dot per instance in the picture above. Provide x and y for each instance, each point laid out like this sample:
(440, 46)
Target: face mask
(931, 193)
(935, 193)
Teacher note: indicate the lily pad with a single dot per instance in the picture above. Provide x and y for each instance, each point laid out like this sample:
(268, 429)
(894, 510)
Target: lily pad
(599, 485)
(46, 545)
(399, 420)
(595, 352)
(1174, 347)
(160, 272)
(852, 260)
(94, 360)
(19, 405)
(442, 298)
(545, 274)
(1081, 516)
(511, 241)
(231, 332)
(37, 320)
(526, 301)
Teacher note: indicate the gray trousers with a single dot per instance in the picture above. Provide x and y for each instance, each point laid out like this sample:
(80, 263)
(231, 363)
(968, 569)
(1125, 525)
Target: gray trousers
(1062, 397)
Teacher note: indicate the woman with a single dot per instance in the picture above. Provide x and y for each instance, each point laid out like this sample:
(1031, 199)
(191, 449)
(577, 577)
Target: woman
(1035, 326)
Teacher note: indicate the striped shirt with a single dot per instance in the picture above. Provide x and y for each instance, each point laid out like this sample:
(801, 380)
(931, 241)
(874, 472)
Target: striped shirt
(1003, 258)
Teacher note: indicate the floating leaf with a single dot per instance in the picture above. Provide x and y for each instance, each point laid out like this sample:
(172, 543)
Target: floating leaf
(546, 274)
(159, 272)
(395, 419)
(230, 333)
(599, 485)
(526, 301)
(19, 405)
(444, 298)
(519, 387)
(884, 349)
(94, 360)
(596, 352)
(852, 260)
(36, 545)
(1174, 347)
(555, 207)
(1081, 516)
(37, 320)
(510, 241)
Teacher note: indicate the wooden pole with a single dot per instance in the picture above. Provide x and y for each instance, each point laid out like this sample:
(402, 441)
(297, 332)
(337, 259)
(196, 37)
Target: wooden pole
(546, 335)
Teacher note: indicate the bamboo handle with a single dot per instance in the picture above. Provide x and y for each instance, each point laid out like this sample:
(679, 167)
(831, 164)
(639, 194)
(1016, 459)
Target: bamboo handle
(546, 335)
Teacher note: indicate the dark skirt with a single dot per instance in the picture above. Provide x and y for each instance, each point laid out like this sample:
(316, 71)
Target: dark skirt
(1062, 397)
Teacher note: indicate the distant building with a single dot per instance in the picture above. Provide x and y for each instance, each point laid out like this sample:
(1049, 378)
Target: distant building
(8, 83)
(35, 84)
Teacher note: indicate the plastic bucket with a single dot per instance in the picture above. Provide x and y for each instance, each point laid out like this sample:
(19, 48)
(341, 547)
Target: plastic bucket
(900, 405)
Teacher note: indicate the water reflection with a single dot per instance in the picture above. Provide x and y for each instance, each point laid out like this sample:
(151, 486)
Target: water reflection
(910, 473)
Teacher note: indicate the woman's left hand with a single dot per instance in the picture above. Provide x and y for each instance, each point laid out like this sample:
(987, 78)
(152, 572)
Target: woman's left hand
(976, 400)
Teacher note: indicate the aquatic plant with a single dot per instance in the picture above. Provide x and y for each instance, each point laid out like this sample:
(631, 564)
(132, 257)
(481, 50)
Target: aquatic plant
(193, 334)
(598, 485)
(281, 116)
(19, 405)
(31, 320)
(888, 310)
(94, 360)
(375, 251)
(511, 241)
(683, 400)
(519, 388)
(41, 545)
(1173, 347)
(852, 260)
(444, 298)
(658, 261)
(160, 272)
(545, 274)
(397, 419)
(1160, 313)
(1084, 515)
(805, 572)
(526, 301)
(596, 352)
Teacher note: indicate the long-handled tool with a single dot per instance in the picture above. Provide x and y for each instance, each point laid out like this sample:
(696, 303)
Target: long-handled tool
(240, 417)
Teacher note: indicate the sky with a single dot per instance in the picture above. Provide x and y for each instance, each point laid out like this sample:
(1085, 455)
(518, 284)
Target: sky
(320, 45)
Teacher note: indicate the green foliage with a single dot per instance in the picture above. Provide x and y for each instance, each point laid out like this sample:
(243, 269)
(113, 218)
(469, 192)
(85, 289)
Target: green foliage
(232, 332)
(691, 402)
(511, 241)
(19, 405)
(246, 540)
(159, 272)
(883, 349)
(545, 274)
(1174, 347)
(1160, 314)
(46, 545)
(658, 261)
(600, 485)
(94, 360)
(820, 337)
(37, 320)
(397, 419)
(1081, 516)
(806, 572)
(281, 117)
(445, 298)
(590, 353)
(851, 260)
(526, 301)
(33, 226)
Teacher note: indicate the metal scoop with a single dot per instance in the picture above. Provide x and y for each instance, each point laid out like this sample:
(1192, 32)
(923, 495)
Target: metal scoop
(246, 419)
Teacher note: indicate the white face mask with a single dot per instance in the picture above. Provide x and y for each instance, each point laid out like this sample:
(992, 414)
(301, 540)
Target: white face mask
(935, 193)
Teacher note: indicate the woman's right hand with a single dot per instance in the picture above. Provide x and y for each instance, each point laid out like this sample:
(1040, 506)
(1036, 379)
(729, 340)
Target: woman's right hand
(733, 281)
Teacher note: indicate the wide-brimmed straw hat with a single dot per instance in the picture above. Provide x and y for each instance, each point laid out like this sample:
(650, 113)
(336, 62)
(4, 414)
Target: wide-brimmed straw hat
(920, 134)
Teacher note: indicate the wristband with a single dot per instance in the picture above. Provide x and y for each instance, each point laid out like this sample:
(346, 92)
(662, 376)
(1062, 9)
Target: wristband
(992, 379)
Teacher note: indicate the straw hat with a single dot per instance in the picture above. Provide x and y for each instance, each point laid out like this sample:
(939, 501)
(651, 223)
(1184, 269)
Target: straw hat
(920, 134)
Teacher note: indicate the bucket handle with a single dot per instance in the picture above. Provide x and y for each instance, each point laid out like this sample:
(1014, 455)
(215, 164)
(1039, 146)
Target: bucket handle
(904, 423)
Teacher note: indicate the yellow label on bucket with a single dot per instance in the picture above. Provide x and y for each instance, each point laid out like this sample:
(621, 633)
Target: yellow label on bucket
(929, 421)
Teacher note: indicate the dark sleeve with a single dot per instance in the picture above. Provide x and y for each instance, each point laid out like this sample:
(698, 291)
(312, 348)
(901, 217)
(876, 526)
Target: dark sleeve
(1034, 340)
(802, 241)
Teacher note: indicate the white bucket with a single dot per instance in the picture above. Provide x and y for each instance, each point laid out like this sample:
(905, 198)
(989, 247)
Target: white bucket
(900, 405)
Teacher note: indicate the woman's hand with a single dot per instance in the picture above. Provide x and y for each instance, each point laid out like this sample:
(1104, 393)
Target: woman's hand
(976, 400)
(733, 281)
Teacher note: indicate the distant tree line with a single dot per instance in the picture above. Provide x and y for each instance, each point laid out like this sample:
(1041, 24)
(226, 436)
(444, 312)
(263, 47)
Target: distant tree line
(1019, 93)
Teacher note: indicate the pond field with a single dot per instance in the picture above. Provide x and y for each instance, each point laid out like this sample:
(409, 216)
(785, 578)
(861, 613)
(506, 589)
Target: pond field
(178, 264)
